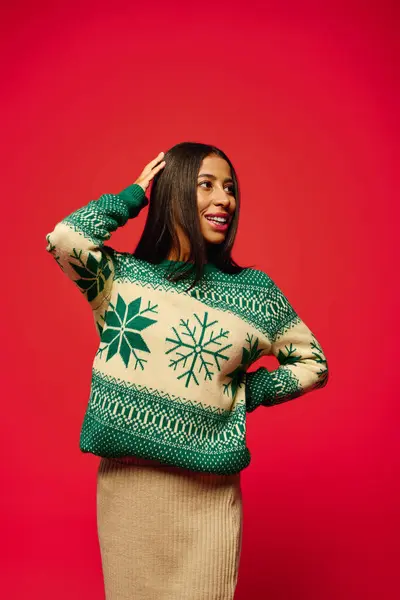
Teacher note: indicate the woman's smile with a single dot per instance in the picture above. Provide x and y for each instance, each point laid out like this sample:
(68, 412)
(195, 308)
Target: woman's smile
(218, 222)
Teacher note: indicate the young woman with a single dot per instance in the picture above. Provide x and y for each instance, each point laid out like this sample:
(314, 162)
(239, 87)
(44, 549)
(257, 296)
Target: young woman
(179, 324)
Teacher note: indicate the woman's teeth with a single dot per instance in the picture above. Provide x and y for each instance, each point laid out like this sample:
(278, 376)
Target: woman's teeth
(218, 223)
(217, 219)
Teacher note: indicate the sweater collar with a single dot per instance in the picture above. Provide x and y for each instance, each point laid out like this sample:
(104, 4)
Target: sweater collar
(166, 262)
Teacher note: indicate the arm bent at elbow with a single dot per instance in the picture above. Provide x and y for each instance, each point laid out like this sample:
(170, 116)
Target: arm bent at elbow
(77, 242)
(302, 363)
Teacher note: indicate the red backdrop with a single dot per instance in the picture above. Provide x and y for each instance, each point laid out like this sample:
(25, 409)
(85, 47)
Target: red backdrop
(302, 100)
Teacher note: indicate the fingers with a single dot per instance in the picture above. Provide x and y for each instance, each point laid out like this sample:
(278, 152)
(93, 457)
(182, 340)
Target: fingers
(154, 167)
(156, 159)
(155, 170)
(151, 169)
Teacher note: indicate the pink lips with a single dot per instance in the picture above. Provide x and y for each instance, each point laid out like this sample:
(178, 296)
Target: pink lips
(218, 226)
(223, 215)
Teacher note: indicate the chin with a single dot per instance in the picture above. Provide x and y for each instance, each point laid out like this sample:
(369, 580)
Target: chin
(218, 239)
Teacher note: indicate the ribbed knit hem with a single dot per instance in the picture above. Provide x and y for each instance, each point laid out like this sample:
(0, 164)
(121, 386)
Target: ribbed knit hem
(135, 198)
(101, 439)
(260, 389)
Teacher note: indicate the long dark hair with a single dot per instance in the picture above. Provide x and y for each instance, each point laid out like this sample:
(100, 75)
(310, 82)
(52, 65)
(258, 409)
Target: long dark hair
(173, 199)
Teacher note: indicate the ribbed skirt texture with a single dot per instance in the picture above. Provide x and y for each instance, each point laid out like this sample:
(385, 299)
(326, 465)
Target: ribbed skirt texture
(167, 533)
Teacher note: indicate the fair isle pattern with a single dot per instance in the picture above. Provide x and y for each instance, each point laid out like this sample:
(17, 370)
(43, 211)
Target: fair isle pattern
(81, 236)
(122, 335)
(92, 225)
(193, 345)
(96, 225)
(237, 376)
(171, 378)
(92, 275)
(121, 424)
(251, 295)
(288, 381)
(52, 249)
(261, 304)
(91, 269)
(320, 360)
(287, 385)
(99, 320)
(270, 388)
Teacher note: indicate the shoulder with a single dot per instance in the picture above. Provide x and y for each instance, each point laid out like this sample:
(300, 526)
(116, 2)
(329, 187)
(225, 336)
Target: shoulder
(130, 268)
(119, 256)
(267, 289)
(122, 260)
(257, 278)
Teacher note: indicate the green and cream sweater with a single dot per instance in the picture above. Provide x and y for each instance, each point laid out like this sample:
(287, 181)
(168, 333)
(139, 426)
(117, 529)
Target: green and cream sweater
(170, 376)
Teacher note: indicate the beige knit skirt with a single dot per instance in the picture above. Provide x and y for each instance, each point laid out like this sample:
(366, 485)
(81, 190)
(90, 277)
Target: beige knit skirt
(167, 533)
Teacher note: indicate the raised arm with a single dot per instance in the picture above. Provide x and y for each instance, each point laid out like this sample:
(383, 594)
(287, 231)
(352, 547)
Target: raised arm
(77, 242)
(303, 365)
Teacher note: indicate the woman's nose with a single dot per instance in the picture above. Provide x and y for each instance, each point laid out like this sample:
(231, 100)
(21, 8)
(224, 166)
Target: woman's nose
(222, 198)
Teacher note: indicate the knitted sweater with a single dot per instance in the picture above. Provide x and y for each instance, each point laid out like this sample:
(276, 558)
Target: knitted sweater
(170, 378)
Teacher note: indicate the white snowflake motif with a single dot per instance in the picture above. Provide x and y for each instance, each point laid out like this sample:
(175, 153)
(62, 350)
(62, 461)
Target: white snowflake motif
(196, 348)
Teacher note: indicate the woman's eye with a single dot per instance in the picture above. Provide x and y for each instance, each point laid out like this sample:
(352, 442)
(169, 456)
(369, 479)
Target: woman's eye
(230, 188)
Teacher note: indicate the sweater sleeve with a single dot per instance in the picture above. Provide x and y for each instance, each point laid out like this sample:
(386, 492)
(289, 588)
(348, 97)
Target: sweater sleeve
(302, 362)
(77, 242)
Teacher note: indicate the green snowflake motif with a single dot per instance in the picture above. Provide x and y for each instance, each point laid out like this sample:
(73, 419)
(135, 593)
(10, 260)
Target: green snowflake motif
(248, 357)
(52, 251)
(320, 358)
(100, 326)
(120, 332)
(93, 274)
(290, 358)
(197, 346)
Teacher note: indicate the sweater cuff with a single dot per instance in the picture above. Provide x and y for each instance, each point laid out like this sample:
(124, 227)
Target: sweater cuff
(135, 198)
(260, 389)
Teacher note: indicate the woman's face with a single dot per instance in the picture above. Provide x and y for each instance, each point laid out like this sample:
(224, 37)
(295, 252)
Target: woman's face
(215, 198)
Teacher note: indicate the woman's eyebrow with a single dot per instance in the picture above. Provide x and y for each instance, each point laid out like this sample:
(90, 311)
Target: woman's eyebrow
(213, 176)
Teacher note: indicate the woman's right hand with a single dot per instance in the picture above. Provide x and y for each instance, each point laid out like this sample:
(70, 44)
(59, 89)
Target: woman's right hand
(150, 170)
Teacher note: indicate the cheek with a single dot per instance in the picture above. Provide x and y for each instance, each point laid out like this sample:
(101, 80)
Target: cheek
(202, 202)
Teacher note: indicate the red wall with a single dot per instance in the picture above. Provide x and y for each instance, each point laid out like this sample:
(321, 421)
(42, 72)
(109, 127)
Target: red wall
(303, 101)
